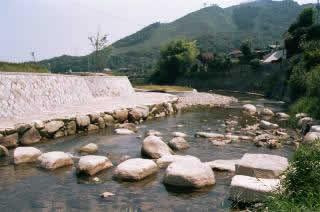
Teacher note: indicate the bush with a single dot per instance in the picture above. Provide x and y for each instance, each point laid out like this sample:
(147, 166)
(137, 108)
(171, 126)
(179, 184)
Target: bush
(309, 105)
(301, 185)
(313, 82)
(297, 82)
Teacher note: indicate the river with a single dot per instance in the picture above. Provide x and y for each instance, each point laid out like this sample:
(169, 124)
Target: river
(29, 188)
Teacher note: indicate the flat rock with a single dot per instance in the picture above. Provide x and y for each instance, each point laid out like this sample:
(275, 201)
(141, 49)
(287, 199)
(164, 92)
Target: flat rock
(179, 134)
(92, 164)
(189, 174)
(26, 155)
(124, 131)
(315, 128)
(53, 126)
(268, 125)
(54, 160)
(129, 126)
(106, 194)
(223, 165)
(135, 169)
(89, 148)
(153, 147)
(178, 143)
(166, 160)
(311, 136)
(261, 165)
(209, 135)
(31, 136)
(250, 189)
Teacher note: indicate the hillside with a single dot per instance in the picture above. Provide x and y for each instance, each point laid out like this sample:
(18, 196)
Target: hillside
(216, 30)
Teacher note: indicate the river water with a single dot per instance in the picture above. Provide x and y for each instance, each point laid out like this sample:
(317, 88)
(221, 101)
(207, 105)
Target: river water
(29, 188)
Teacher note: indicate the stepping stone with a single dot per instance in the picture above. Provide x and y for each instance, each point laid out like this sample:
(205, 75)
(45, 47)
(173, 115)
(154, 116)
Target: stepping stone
(209, 135)
(223, 165)
(247, 189)
(178, 143)
(166, 160)
(54, 160)
(135, 169)
(261, 165)
(92, 164)
(153, 147)
(250, 109)
(179, 134)
(189, 174)
(267, 125)
(124, 131)
(26, 155)
(89, 148)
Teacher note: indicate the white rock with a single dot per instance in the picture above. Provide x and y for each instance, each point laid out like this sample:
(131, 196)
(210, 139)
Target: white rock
(179, 134)
(301, 115)
(106, 194)
(306, 120)
(250, 109)
(135, 169)
(267, 112)
(267, 125)
(209, 135)
(53, 126)
(189, 174)
(153, 132)
(26, 155)
(83, 121)
(311, 136)
(250, 189)
(315, 128)
(154, 147)
(178, 143)
(223, 165)
(92, 164)
(283, 115)
(89, 148)
(54, 160)
(124, 131)
(166, 160)
(261, 165)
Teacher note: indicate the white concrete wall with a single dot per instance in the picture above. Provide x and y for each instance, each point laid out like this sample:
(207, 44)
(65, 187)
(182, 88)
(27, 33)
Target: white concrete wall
(25, 93)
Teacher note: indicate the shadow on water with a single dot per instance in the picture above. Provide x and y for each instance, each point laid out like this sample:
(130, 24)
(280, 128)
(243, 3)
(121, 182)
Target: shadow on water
(30, 188)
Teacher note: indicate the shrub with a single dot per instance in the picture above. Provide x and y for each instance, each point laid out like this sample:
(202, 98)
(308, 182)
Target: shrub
(297, 82)
(309, 105)
(301, 184)
(313, 82)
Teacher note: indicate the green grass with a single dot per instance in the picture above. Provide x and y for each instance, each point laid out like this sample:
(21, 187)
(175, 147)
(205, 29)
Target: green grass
(164, 88)
(22, 67)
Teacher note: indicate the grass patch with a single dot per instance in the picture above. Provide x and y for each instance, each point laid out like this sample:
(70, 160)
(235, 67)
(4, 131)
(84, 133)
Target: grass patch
(301, 183)
(22, 67)
(164, 88)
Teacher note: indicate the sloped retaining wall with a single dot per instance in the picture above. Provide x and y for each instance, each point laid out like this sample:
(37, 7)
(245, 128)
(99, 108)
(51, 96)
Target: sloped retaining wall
(26, 93)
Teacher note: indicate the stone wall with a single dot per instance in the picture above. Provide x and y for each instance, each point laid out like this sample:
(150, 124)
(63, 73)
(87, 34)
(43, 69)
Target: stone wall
(26, 93)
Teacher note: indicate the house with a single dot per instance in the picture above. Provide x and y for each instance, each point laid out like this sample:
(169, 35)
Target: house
(275, 57)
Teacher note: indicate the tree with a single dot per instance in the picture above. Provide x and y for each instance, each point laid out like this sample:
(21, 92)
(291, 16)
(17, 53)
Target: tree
(176, 59)
(246, 51)
(98, 42)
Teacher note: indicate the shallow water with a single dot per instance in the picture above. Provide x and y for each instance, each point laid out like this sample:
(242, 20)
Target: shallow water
(29, 188)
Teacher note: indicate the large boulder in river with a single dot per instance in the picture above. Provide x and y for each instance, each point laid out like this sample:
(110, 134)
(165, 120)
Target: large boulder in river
(247, 189)
(311, 137)
(315, 128)
(166, 160)
(153, 147)
(304, 121)
(268, 125)
(282, 115)
(9, 141)
(189, 174)
(92, 164)
(54, 160)
(178, 143)
(26, 155)
(249, 109)
(135, 169)
(123, 131)
(129, 126)
(52, 127)
(261, 165)
(31, 136)
(89, 148)
(138, 113)
(83, 121)
(121, 115)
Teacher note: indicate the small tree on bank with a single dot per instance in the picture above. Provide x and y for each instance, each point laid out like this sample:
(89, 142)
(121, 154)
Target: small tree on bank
(98, 42)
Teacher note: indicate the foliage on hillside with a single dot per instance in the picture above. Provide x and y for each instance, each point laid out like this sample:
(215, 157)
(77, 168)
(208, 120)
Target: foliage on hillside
(215, 29)
(22, 67)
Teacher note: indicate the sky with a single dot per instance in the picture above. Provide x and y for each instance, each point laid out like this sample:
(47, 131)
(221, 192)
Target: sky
(51, 28)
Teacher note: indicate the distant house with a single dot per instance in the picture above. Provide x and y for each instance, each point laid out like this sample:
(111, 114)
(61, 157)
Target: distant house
(235, 54)
(275, 57)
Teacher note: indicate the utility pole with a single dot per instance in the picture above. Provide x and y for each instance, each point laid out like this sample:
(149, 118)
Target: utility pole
(33, 57)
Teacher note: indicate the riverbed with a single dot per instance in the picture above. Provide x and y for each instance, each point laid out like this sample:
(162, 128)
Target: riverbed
(29, 188)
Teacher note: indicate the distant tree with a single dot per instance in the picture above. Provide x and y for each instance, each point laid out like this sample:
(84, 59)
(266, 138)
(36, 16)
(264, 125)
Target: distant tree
(176, 59)
(98, 42)
(246, 51)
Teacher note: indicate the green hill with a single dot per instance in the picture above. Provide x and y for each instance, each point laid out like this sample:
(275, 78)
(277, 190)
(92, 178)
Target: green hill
(216, 30)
